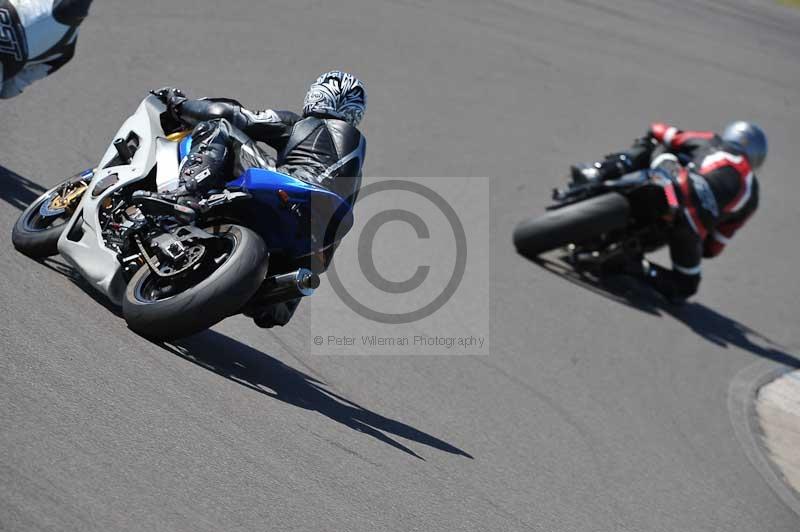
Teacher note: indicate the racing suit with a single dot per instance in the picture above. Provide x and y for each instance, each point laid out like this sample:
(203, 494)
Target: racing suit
(37, 37)
(321, 150)
(717, 190)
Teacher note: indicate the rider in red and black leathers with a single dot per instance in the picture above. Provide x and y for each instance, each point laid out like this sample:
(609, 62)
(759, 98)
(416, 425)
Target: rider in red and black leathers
(716, 188)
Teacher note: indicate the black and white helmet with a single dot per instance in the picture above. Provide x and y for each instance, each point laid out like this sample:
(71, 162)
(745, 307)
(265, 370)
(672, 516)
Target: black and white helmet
(336, 94)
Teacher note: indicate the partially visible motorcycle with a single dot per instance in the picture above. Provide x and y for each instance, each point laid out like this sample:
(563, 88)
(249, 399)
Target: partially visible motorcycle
(177, 269)
(600, 223)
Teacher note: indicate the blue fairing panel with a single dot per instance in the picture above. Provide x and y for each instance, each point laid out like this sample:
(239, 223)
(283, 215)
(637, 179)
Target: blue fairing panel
(293, 217)
(184, 147)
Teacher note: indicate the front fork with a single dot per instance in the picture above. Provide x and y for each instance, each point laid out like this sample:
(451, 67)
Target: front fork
(67, 195)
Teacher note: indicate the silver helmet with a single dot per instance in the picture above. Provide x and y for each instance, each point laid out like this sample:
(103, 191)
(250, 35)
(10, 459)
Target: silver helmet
(750, 139)
(337, 94)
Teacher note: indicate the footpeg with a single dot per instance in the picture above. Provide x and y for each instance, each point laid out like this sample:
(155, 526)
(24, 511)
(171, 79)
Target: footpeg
(156, 206)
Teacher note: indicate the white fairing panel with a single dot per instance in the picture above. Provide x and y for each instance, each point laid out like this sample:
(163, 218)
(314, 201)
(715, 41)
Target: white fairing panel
(83, 246)
(167, 169)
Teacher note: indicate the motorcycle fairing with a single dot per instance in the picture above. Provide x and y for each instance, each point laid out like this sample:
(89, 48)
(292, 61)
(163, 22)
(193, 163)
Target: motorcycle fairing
(295, 218)
(81, 244)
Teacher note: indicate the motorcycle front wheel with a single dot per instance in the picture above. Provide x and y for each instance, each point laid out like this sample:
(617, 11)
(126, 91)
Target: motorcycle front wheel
(233, 266)
(39, 227)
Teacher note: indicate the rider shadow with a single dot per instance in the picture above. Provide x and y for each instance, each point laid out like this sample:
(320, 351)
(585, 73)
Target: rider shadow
(241, 363)
(18, 191)
(703, 321)
(260, 372)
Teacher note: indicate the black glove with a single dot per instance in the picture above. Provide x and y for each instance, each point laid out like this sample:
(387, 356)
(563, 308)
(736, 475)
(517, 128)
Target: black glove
(172, 98)
(597, 172)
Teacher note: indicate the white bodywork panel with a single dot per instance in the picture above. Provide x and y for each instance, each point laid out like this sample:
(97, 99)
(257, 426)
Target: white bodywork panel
(88, 253)
(167, 165)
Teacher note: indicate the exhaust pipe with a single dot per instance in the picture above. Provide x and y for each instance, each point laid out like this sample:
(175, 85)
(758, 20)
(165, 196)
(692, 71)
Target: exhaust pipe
(287, 286)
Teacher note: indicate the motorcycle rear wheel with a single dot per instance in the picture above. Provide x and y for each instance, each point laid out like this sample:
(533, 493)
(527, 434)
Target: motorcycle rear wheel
(572, 224)
(151, 310)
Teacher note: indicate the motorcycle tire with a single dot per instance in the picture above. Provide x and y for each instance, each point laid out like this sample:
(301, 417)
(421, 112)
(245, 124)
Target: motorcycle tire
(35, 235)
(223, 293)
(572, 224)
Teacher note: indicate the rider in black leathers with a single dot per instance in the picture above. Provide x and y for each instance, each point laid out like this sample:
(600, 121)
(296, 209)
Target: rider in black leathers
(322, 147)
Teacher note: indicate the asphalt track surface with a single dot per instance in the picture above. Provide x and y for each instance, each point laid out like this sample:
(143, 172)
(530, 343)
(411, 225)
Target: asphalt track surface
(591, 413)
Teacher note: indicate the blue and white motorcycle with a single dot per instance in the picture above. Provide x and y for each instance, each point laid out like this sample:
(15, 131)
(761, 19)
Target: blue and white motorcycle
(176, 270)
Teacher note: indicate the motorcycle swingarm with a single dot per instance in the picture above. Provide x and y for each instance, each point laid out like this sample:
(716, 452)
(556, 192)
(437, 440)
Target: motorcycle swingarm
(171, 244)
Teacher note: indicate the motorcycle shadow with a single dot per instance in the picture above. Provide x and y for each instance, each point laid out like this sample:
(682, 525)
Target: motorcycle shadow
(18, 191)
(707, 323)
(262, 373)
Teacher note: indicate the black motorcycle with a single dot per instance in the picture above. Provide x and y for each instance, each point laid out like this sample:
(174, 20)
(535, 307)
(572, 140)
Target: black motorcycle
(605, 222)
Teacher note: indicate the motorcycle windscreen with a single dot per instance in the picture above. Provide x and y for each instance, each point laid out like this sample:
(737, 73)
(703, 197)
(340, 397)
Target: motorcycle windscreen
(293, 217)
